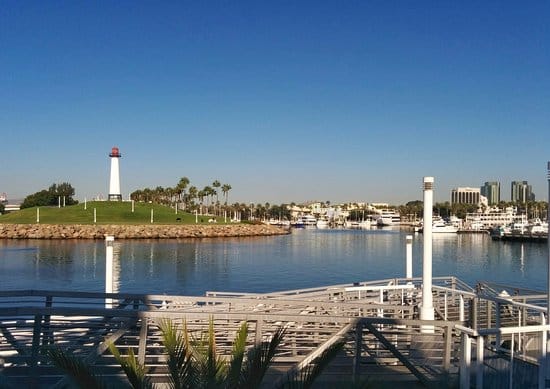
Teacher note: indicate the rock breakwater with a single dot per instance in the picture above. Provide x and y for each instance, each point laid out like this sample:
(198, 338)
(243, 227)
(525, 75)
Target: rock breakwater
(78, 231)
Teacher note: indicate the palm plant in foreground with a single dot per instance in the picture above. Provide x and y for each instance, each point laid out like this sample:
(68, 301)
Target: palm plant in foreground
(191, 363)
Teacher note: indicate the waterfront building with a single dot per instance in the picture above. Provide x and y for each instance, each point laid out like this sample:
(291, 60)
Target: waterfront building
(521, 192)
(467, 195)
(491, 190)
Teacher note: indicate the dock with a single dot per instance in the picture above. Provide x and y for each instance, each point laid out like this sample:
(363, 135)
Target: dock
(485, 336)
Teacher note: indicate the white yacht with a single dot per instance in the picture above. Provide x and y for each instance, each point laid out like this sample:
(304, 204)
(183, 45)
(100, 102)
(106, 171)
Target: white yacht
(439, 226)
(388, 217)
(305, 221)
(322, 223)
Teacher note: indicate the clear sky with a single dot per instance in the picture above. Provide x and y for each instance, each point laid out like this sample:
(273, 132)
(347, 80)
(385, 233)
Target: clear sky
(283, 100)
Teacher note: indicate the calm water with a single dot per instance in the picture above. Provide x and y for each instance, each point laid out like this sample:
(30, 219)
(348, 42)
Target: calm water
(306, 258)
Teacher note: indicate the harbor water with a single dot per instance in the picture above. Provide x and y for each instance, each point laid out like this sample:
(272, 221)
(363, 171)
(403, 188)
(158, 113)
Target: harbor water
(306, 258)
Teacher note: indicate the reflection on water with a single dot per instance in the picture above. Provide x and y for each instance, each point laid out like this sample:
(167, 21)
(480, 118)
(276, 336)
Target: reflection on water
(306, 258)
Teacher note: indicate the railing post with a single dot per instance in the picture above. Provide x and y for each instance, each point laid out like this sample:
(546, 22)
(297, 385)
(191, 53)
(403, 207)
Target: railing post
(448, 334)
(542, 356)
(357, 355)
(473, 313)
(497, 325)
(35, 349)
(48, 336)
(479, 361)
(465, 361)
(461, 309)
(258, 337)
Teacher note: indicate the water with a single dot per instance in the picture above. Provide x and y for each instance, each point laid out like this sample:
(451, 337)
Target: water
(306, 258)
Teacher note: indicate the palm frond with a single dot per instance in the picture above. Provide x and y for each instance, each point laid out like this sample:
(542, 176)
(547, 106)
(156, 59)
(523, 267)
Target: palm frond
(135, 372)
(181, 367)
(305, 378)
(258, 360)
(78, 370)
(237, 357)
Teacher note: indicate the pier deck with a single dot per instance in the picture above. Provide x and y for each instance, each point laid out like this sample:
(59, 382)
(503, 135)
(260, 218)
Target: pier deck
(385, 342)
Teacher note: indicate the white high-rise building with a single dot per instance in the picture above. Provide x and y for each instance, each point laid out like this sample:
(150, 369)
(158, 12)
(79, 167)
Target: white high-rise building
(114, 185)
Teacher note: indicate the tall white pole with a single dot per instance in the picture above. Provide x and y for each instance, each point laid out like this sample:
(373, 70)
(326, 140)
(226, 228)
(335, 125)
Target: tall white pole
(176, 208)
(132, 206)
(196, 217)
(95, 215)
(63, 201)
(152, 215)
(427, 309)
(546, 363)
(38, 215)
(109, 240)
(85, 204)
(409, 264)
(58, 201)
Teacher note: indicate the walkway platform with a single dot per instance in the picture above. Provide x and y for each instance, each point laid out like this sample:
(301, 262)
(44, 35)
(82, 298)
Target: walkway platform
(489, 336)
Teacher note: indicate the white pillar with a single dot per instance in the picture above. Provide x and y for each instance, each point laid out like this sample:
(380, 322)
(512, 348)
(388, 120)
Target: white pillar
(479, 361)
(95, 215)
(38, 215)
(85, 204)
(152, 216)
(133, 206)
(427, 309)
(409, 264)
(176, 208)
(196, 217)
(547, 356)
(58, 201)
(63, 201)
(109, 241)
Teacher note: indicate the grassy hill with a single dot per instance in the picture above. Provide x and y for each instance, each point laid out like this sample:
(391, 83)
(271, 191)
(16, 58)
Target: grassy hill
(106, 213)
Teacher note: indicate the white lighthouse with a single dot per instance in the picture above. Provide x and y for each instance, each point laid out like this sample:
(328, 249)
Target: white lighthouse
(114, 186)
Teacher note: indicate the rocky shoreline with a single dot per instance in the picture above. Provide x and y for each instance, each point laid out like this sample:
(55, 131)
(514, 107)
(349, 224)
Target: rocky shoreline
(80, 231)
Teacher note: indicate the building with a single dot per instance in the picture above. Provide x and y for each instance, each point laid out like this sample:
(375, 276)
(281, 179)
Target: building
(521, 192)
(466, 195)
(491, 190)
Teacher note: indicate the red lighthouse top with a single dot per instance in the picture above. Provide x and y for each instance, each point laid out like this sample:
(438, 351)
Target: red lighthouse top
(115, 153)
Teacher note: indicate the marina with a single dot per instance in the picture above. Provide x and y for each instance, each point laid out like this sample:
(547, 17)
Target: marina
(483, 333)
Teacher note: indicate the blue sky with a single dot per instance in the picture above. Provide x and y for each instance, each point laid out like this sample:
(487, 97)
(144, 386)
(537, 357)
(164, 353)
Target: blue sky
(284, 100)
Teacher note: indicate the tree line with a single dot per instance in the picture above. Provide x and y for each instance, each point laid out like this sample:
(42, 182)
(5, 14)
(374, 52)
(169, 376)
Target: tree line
(186, 196)
(56, 194)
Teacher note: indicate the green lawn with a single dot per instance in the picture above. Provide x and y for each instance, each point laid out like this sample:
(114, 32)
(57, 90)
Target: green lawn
(106, 213)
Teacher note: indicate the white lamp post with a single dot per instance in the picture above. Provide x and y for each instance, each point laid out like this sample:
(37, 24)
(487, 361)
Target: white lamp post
(427, 309)
(409, 266)
(109, 243)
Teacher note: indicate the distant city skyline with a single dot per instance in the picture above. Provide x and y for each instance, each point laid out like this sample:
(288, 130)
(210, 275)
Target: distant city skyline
(285, 102)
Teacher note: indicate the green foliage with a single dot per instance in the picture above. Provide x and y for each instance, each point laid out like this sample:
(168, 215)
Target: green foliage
(305, 378)
(135, 372)
(51, 196)
(76, 369)
(2, 208)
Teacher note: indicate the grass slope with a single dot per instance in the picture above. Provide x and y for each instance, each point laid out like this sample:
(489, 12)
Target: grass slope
(106, 213)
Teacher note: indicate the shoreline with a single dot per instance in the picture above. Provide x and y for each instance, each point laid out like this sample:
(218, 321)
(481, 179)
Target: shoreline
(126, 231)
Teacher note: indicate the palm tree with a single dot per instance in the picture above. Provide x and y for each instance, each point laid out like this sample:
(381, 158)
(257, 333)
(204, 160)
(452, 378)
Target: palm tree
(225, 189)
(191, 363)
(216, 184)
(192, 194)
(180, 187)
